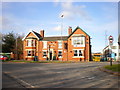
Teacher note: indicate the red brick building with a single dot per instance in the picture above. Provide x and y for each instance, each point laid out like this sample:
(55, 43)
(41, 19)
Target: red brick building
(74, 47)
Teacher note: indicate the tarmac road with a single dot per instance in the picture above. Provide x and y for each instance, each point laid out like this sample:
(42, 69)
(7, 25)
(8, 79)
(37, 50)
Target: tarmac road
(57, 75)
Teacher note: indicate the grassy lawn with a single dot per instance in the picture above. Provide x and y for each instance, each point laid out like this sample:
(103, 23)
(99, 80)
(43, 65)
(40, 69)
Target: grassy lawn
(24, 61)
(114, 67)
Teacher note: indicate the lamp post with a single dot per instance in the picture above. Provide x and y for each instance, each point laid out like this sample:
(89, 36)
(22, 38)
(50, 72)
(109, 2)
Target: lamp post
(61, 32)
(110, 44)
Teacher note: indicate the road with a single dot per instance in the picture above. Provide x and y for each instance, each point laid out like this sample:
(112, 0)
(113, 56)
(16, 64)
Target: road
(57, 75)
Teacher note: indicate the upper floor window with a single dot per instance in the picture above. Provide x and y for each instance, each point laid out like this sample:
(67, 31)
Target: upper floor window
(78, 41)
(44, 44)
(31, 43)
(59, 44)
(114, 47)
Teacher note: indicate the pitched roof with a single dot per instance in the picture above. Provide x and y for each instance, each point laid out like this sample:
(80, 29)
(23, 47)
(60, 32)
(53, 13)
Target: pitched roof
(54, 38)
(37, 34)
(76, 29)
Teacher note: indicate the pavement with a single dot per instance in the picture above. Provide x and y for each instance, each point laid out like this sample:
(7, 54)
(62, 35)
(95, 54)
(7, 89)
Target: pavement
(57, 75)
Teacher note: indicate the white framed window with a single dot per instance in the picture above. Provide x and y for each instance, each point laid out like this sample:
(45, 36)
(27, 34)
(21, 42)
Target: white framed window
(78, 41)
(78, 53)
(29, 44)
(60, 53)
(44, 53)
(59, 44)
(44, 44)
(29, 53)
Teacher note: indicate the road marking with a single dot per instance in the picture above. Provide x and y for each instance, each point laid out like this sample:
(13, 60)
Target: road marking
(21, 82)
(91, 78)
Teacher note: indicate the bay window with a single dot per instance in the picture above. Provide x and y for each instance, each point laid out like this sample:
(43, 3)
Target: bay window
(78, 41)
(77, 53)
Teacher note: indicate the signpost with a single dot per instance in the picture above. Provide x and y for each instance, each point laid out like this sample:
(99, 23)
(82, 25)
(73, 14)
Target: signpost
(110, 44)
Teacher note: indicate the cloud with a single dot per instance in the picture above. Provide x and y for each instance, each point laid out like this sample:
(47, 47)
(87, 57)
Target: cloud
(57, 28)
(72, 11)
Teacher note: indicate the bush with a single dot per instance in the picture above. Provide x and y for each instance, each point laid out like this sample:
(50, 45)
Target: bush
(54, 57)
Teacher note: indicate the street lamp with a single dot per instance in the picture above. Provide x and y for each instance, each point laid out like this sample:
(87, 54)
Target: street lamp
(61, 32)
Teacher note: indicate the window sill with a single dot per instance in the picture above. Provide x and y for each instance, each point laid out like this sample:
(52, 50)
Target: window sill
(29, 56)
(30, 46)
(60, 57)
(78, 56)
(44, 57)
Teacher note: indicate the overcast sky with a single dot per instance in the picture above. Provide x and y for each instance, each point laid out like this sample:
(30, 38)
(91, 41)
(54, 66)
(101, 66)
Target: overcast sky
(95, 18)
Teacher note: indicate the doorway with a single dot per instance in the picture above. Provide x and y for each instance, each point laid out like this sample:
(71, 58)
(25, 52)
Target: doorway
(50, 55)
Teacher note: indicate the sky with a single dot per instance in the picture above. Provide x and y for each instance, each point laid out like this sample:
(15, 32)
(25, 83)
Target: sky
(98, 19)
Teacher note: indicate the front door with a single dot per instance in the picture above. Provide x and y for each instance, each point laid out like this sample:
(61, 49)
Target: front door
(50, 55)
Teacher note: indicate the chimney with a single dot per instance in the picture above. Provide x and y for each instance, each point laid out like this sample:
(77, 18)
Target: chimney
(42, 33)
(69, 30)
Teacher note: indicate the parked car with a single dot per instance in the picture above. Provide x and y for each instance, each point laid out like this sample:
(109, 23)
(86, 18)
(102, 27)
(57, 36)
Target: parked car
(3, 57)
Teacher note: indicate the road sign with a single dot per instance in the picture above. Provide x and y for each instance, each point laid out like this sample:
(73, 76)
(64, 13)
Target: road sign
(111, 43)
(111, 39)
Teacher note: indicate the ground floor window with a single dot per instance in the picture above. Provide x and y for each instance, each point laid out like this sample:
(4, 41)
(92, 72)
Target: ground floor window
(78, 53)
(44, 54)
(59, 53)
(30, 53)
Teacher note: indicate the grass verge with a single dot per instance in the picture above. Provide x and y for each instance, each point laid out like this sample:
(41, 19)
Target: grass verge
(114, 67)
(24, 61)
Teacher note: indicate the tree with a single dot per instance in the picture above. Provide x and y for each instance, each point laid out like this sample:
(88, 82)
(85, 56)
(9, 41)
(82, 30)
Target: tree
(8, 42)
(19, 46)
(12, 42)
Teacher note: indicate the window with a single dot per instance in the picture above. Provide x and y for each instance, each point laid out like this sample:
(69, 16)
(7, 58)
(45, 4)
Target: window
(59, 44)
(29, 43)
(29, 53)
(80, 53)
(77, 53)
(59, 53)
(33, 53)
(65, 45)
(32, 42)
(44, 44)
(78, 41)
(44, 54)
(114, 47)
